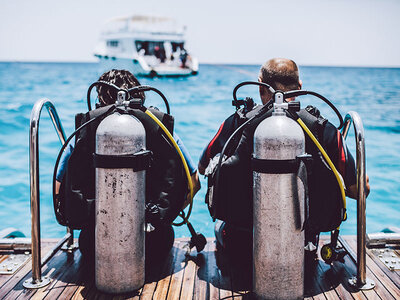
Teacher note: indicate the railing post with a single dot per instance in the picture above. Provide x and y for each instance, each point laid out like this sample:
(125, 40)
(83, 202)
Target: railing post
(37, 281)
(361, 281)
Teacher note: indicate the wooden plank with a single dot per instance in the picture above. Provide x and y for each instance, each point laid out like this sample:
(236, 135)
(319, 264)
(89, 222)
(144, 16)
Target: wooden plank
(311, 287)
(329, 277)
(341, 273)
(16, 289)
(383, 284)
(54, 274)
(201, 283)
(213, 276)
(14, 282)
(3, 257)
(392, 275)
(188, 278)
(330, 284)
(46, 246)
(68, 273)
(197, 277)
(162, 287)
(311, 284)
(157, 274)
(333, 282)
(175, 286)
(148, 291)
(351, 270)
(83, 291)
(77, 279)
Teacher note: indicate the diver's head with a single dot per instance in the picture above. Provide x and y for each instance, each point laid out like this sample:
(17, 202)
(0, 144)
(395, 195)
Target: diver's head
(121, 78)
(281, 74)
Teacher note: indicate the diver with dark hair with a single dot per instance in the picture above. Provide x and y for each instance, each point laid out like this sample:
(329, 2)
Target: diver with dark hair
(233, 228)
(160, 240)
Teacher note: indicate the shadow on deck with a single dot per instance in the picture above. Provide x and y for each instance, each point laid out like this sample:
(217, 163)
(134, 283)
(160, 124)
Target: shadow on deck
(196, 276)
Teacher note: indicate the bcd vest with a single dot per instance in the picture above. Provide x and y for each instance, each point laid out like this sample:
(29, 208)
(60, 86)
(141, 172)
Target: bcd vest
(166, 183)
(232, 200)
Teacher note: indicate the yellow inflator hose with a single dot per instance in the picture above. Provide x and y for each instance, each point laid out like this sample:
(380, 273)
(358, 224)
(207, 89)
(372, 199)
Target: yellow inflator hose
(185, 166)
(328, 160)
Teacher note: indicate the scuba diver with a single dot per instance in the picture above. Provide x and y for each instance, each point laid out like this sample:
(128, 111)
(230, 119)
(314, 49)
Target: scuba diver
(230, 201)
(165, 188)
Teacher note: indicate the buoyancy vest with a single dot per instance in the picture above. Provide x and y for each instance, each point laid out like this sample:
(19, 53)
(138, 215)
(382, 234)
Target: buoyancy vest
(232, 201)
(166, 183)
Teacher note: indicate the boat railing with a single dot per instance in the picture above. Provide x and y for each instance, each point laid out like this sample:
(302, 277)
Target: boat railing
(37, 281)
(360, 281)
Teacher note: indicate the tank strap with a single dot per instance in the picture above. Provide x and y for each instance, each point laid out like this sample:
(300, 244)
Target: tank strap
(272, 166)
(284, 166)
(138, 162)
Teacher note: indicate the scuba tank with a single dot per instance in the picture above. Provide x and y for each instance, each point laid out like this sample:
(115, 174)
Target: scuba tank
(117, 154)
(278, 199)
(120, 204)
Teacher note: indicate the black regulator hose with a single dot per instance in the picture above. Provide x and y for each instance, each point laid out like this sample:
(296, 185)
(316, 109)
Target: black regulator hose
(296, 93)
(100, 82)
(140, 88)
(145, 88)
(250, 83)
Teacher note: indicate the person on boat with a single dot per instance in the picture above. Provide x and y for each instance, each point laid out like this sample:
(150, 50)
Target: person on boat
(160, 240)
(183, 56)
(281, 74)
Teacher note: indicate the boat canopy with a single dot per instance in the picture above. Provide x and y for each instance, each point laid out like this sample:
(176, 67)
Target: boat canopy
(144, 24)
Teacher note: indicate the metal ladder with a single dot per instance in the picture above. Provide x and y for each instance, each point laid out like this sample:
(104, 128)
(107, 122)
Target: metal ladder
(360, 281)
(37, 281)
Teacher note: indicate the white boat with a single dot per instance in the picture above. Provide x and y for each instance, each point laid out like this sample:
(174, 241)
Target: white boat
(147, 46)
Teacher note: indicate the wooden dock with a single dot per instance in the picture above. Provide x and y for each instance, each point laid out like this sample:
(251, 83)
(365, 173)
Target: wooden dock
(196, 276)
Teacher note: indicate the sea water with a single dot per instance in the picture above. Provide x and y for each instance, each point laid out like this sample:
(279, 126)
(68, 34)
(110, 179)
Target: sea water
(200, 104)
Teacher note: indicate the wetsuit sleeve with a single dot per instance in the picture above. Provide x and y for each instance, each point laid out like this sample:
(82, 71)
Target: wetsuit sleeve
(217, 143)
(186, 155)
(341, 157)
(350, 177)
(64, 161)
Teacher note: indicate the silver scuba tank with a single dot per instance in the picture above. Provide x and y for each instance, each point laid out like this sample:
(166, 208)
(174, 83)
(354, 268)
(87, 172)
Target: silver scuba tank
(120, 208)
(278, 195)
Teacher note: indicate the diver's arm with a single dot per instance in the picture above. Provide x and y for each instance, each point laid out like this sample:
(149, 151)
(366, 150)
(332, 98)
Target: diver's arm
(196, 187)
(58, 184)
(352, 191)
(201, 168)
(192, 169)
(196, 183)
(62, 168)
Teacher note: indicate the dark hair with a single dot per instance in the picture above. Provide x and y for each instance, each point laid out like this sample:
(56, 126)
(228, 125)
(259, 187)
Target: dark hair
(121, 78)
(281, 74)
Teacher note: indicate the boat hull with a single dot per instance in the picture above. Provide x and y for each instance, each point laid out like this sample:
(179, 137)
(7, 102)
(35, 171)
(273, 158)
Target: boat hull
(140, 68)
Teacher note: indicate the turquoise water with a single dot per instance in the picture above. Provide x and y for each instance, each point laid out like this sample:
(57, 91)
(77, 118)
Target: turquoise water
(199, 105)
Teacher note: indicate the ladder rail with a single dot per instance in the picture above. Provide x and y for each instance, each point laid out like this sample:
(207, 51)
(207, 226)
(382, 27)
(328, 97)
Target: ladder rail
(361, 280)
(37, 281)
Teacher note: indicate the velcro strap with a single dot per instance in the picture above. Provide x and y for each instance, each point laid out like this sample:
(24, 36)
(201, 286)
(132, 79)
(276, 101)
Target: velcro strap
(272, 166)
(138, 162)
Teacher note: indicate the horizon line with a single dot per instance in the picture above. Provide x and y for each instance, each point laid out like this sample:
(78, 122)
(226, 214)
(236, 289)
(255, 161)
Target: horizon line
(206, 63)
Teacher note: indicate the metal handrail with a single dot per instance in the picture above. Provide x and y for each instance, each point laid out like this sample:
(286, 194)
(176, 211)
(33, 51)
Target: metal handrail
(37, 281)
(361, 281)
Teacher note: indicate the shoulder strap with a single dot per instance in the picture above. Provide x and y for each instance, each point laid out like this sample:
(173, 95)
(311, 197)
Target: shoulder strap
(313, 120)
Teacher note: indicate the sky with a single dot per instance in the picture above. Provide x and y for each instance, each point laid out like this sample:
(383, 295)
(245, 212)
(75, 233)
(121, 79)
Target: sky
(311, 32)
